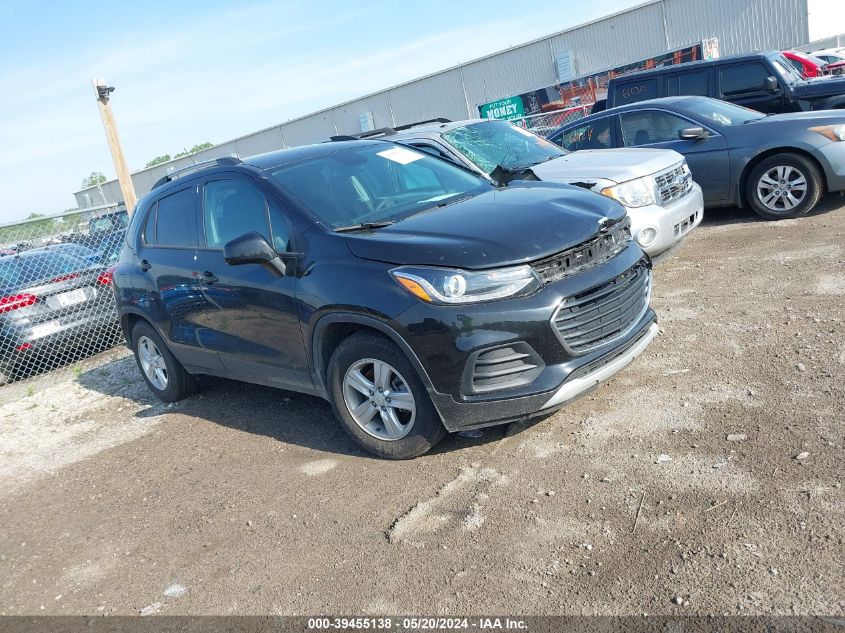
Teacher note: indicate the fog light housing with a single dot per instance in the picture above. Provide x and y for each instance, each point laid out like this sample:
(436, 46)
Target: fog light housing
(647, 236)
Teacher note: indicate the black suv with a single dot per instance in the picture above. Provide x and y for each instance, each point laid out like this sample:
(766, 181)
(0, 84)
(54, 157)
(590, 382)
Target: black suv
(766, 82)
(415, 296)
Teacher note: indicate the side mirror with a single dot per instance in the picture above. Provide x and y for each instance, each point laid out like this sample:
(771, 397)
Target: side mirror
(252, 248)
(693, 133)
(771, 84)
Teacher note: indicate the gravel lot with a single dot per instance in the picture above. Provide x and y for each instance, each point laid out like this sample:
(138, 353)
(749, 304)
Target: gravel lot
(704, 479)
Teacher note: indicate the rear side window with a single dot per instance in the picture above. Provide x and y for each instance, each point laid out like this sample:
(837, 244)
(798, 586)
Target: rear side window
(689, 83)
(743, 79)
(633, 91)
(173, 221)
(593, 135)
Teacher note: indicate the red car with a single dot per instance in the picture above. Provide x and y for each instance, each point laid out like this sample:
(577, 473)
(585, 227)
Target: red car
(807, 65)
(837, 68)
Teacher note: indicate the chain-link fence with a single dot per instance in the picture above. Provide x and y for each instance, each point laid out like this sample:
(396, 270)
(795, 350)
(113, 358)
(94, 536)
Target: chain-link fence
(545, 123)
(56, 300)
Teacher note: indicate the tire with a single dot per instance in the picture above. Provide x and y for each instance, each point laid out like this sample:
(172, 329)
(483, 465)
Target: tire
(403, 426)
(784, 186)
(178, 383)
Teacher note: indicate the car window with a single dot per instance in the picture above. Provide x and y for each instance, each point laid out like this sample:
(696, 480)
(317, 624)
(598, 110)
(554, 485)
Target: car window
(174, 220)
(150, 226)
(743, 79)
(688, 83)
(592, 135)
(101, 224)
(430, 149)
(373, 183)
(650, 126)
(233, 207)
(491, 144)
(17, 272)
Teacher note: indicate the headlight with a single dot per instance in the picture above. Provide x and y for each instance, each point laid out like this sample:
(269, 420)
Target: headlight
(452, 286)
(832, 132)
(634, 193)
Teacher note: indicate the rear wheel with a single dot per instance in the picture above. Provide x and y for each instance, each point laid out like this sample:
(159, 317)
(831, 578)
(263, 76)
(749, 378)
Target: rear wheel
(163, 374)
(784, 186)
(380, 400)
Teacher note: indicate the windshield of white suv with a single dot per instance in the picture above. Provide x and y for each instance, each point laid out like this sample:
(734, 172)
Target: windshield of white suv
(491, 144)
(721, 112)
(374, 184)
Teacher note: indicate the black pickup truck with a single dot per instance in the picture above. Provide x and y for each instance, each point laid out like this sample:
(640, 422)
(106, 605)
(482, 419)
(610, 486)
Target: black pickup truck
(766, 82)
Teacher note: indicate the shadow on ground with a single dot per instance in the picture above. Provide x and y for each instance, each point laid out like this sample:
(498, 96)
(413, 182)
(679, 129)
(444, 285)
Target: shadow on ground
(720, 216)
(289, 417)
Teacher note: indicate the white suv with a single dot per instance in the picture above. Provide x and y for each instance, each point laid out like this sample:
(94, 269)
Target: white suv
(654, 185)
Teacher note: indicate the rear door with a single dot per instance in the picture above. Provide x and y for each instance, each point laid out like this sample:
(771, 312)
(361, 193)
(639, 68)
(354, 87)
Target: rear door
(708, 158)
(251, 309)
(165, 265)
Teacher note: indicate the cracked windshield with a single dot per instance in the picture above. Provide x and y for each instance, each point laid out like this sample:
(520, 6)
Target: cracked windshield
(489, 144)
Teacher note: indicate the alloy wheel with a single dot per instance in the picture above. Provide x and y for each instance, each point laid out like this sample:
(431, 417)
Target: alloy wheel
(152, 363)
(782, 188)
(379, 399)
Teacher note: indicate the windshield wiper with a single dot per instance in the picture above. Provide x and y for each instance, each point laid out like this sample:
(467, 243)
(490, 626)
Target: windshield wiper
(364, 226)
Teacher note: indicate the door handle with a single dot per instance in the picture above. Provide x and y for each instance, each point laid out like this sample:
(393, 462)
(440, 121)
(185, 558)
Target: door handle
(144, 265)
(209, 277)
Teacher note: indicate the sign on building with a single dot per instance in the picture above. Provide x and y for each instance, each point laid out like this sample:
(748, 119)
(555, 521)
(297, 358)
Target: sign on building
(509, 108)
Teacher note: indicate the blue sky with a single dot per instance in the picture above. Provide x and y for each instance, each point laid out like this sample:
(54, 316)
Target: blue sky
(190, 71)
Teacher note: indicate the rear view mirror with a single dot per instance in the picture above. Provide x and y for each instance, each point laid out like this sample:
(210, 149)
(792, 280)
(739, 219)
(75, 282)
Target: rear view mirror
(771, 83)
(252, 248)
(693, 133)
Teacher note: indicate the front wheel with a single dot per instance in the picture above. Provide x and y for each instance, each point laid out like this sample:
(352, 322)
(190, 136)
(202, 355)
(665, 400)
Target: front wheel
(784, 186)
(380, 400)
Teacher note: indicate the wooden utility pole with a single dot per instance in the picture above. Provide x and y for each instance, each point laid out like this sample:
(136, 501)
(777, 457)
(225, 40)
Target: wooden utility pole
(103, 91)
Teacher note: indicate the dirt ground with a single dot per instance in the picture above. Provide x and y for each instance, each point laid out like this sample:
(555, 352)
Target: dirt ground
(703, 479)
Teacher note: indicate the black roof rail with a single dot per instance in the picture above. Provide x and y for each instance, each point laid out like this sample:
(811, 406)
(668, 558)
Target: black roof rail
(223, 160)
(408, 126)
(342, 137)
(379, 131)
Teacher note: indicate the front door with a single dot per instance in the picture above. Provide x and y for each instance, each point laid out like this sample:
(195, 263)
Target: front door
(251, 309)
(707, 158)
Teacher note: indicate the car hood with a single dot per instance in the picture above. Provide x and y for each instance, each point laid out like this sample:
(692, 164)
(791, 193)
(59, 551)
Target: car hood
(819, 86)
(517, 224)
(804, 119)
(618, 165)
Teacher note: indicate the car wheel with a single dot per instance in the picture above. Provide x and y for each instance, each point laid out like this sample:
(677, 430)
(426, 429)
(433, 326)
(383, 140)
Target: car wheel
(164, 375)
(784, 186)
(380, 400)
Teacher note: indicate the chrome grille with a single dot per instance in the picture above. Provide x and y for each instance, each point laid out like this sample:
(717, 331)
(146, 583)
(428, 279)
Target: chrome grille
(592, 252)
(673, 184)
(602, 314)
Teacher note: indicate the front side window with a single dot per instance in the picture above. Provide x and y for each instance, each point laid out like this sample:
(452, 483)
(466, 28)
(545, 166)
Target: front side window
(234, 207)
(491, 144)
(651, 126)
(174, 221)
(592, 135)
(381, 182)
(743, 79)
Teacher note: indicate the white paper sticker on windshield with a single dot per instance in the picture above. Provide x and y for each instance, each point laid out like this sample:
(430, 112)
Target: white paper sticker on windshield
(522, 131)
(400, 155)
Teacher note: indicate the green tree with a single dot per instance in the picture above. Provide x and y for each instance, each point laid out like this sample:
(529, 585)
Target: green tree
(95, 178)
(158, 160)
(194, 149)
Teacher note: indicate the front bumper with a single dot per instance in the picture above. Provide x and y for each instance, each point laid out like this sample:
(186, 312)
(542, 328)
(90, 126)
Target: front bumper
(446, 340)
(670, 224)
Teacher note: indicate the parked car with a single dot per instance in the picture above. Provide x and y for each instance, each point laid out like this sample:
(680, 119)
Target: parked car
(808, 65)
(50, 304)
(835, 68)
(830, 55)
(655, 187)
(415, 296)
(778, 164)
(766, 82)
(74, 250)
(104, 231)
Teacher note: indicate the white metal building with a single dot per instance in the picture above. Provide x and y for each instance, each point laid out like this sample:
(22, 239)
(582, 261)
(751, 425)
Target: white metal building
(638, 33)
